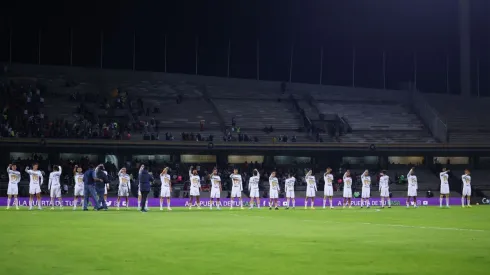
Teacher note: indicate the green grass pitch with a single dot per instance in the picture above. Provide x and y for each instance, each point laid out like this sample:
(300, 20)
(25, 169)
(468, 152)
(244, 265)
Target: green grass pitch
(427, 240)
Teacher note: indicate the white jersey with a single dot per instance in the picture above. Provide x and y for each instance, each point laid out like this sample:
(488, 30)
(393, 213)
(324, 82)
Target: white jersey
(274, 183)
(14, 177)
(237, 183)
(412, 181)
(165, 180)
(366, 182)
(124, 181)
(384, 182)
(253, 183)
(35, 177)
(195, 182)
(328, 178)
(215, 182)
(78, 180)
(290, 184)
(54, 179)
(444, 178)
(311, 182)
(466, 181)
(347, 182)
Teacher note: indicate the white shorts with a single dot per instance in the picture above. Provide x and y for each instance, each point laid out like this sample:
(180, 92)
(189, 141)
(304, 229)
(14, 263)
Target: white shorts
(273, 194)
(34, 189)
(55, 192)
(310, 193)
(215, 193)
(13, 189)
(254, 193)
(328, 192)
(165, 192)
(236, 193)
(466, 191)
(78, 191)
(366, 193)
(123, 192)
(348, 193)
(412, 192)
(290, 194)
(194, 192)
(444, 189)
(385, 192)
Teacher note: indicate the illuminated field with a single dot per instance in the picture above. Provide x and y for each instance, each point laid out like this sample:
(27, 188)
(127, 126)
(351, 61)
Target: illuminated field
(360, 241)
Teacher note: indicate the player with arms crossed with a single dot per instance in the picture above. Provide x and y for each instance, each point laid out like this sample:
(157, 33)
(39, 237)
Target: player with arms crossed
(412, 188)
(13, 188)
(166, 188)
(195, 188)
(444, 187)
(466, 178)
(237, 188)
(273, 190)
(384, 189)
(366, 188)
(54, 185)
(215, 190)
(35, 181)
(124, 187)
(347, 189)
(310, 189)
(290, 181)
(328, 189)
(78, 192)
(253, 188)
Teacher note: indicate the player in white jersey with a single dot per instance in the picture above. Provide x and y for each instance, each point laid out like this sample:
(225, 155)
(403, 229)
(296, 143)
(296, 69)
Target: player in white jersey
(236, 188)
(78, 192)
(253, 188)
(54, 185)
(35, 181)
(412, 188)
(384, 188)
(347, 189)
(195, 188)
(328, 189)
(444, 187)
(166, 188)
(13, 188)
(310, 189)
(124, 187)
(215, 189)
(366, 189)
(106, 187)
(466, 178)
(289, 190)
(273, 190)
(289, 186)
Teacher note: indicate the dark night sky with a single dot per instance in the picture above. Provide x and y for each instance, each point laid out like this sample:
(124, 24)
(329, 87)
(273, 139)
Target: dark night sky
(397, 27)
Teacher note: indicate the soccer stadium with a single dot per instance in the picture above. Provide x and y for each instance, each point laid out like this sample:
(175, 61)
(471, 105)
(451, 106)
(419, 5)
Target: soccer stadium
(245, 137)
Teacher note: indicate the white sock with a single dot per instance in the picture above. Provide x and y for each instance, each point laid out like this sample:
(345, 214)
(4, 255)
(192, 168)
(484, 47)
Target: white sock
(440, 202)
(161, 203)
(367, 203)
(362, 202)
(382, 202)
(312, 203)
(389, 202)
(75, 203)
(330, 201)
(447, 201)
(16, 202)
(8, 202)
(168, 204)
(146, 204)
(39, 203)
(30, 203)
(258, 204)
(325, 203)
(294, 204)
(241, 203)
(139, 204)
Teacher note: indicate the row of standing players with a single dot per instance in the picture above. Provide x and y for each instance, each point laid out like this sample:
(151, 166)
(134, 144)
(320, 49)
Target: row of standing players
(36, 178)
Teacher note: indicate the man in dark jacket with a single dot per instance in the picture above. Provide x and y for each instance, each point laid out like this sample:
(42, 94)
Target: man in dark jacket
(101, 180)
(89, 188)
(144, 178)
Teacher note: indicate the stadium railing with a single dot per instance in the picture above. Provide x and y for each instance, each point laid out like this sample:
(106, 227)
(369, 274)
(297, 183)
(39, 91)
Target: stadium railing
(429, 115)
